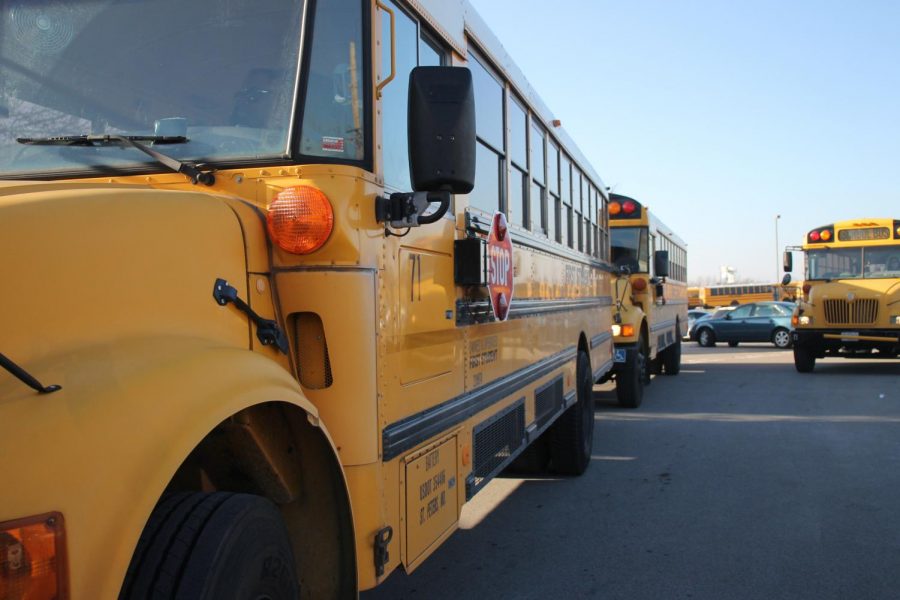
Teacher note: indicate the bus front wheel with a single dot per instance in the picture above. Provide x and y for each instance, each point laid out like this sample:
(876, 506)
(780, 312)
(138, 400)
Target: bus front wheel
(672, 358)
(571, 440)
(804, 358)
(631, 377)
(213, 545)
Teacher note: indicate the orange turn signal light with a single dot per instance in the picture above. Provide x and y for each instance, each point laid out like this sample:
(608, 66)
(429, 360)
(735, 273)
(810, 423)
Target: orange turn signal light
(33, 558)
(300, 219)
(826, 235)
(627, 330)
(615, 208)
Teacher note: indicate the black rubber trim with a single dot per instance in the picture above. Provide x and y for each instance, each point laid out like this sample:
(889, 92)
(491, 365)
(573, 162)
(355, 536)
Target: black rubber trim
(663, 325)
(599, 339)
(413, 430)
(479, 311)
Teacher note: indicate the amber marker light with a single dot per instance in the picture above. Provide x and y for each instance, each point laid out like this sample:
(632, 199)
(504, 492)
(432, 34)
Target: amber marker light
(825, 235)
(300, 219)
(33, 558)
(627, 330)
(614, 208)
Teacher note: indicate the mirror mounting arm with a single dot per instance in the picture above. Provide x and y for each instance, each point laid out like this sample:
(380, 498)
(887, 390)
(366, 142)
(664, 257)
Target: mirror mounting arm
(406, 209)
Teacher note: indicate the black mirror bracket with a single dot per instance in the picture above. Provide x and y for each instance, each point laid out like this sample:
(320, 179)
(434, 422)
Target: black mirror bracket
(405, 209)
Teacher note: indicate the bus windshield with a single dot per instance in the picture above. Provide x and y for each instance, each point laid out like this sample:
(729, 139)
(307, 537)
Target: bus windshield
(223, 74)
(629, 248)
(854, 263)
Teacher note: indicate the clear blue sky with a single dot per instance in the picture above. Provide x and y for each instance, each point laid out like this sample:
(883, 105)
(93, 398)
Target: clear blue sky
(720, 115)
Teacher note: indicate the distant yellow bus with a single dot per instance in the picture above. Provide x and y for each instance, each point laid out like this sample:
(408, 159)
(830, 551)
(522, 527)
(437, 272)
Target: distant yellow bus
(694, 297)
(733, 294)
(259, 330)
(650, 292)
(851, 293)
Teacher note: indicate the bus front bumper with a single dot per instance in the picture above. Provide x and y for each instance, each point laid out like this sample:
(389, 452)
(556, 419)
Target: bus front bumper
(849, 341)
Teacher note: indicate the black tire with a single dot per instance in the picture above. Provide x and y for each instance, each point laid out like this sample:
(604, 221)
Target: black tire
(732, 344)
(534, 459)
(672, 358)
(630, 379)
(781, 337)
(706, 337)
(804, 359)
(571, 437)
(208, 546)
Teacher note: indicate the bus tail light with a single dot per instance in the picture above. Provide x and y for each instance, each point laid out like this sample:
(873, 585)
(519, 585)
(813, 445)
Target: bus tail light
(300, 219)
(629, 207)
(807, 287)
(33, 557)
(639, 284)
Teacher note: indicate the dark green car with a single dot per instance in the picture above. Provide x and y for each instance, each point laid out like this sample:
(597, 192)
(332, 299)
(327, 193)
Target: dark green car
(755, 322)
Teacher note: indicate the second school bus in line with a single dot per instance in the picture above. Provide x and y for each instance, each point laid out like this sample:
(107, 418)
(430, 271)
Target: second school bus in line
(650, 294)
(260, 338)
(851, 292)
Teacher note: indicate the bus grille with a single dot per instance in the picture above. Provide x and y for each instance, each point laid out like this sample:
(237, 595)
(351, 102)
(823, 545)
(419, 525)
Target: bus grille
(862, 310)
(495, 443)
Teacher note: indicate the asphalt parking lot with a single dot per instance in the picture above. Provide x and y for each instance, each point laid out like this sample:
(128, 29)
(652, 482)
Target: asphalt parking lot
(739, 478)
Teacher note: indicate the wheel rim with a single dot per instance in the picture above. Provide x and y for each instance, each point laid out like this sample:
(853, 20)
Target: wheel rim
(704, 337)
(782, 339)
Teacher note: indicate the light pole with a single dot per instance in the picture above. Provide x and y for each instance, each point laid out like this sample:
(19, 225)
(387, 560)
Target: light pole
(777, 258)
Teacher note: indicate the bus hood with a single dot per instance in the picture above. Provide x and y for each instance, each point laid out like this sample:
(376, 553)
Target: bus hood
(860, 288)
(89, 264)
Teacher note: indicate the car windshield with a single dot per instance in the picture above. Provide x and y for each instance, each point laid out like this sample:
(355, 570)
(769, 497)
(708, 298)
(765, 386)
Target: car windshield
(220, 73)
(874, 262)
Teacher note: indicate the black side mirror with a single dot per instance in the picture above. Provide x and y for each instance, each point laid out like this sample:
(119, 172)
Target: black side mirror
(786, 279)
(788, 261)
(441, 126)
(661, 263)
(728, 317)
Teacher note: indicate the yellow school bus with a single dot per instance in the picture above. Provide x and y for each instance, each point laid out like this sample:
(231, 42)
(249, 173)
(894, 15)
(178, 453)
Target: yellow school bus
(261, 335)
(694, 297)
(850, 305)
(734, 294)
(650, 294)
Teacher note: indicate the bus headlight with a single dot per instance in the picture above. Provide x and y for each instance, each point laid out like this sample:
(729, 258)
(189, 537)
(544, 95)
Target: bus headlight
(623, 330)
(805, 320)
(895, 320)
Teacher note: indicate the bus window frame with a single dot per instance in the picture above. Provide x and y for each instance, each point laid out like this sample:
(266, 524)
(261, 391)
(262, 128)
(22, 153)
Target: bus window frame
(296, 156)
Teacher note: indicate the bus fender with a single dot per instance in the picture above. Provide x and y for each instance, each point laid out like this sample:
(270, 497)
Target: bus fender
(127, 417)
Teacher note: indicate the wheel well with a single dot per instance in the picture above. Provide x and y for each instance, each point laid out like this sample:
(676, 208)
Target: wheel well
(273, 450)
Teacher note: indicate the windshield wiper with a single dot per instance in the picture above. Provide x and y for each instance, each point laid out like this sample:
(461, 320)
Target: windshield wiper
(191, 170)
